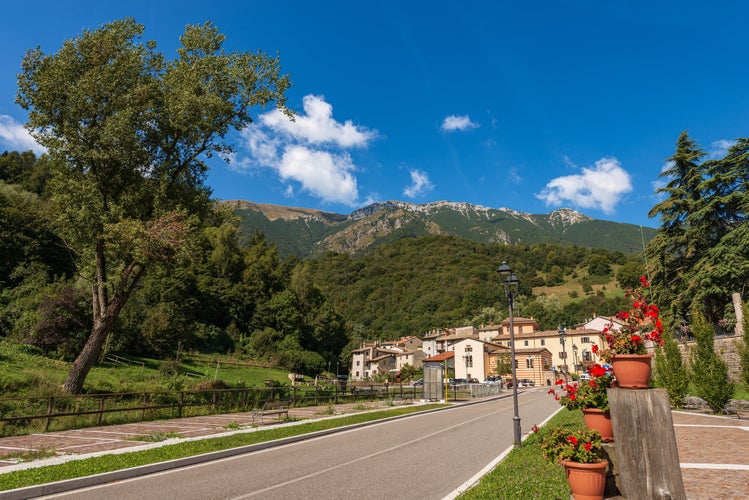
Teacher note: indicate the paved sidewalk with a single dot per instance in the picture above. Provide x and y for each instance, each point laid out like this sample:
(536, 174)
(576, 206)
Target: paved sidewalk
(713, 450)
(714, 455)
(72, 444)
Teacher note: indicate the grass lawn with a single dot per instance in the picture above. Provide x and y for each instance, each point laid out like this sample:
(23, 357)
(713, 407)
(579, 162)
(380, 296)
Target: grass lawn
(524, 473)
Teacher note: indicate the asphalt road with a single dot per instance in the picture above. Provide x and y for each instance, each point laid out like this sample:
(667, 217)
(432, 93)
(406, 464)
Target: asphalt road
(421, 456)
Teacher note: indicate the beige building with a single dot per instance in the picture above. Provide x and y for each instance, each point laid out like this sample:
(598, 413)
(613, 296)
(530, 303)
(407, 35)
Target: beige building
(476, 358)
(571, 356)
(386, 358)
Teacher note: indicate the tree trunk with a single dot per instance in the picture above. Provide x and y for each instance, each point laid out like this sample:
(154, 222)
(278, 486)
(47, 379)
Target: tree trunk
(646, 453)
(739, 310)
(91, 350)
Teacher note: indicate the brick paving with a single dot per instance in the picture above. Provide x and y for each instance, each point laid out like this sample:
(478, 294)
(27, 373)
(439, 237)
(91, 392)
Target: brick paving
(114, 437)
(714, 455)
(713, 450)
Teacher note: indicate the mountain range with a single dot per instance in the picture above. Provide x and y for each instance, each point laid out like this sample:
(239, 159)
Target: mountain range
(310, 233)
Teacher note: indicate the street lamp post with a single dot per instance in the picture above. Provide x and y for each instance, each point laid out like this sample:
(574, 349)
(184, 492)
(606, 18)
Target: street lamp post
(562, 335)
(510, 283)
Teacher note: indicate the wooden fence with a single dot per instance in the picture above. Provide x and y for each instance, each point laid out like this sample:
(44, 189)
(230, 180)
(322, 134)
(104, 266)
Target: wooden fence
(59, 412)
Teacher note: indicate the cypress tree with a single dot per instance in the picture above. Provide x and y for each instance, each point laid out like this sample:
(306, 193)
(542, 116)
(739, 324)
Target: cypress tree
(709, 371)
(670, 372)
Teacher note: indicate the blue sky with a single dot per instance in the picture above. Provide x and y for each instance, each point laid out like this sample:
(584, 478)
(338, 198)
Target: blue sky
(527, 105)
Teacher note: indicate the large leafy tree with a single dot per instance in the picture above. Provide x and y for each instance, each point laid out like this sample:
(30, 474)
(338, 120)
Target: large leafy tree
(128, 133)
(721, 218)
(672, 254)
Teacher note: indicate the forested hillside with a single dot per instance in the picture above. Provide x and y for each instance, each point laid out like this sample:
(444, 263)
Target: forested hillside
(223, 297)
(218, 295)
(417, 284)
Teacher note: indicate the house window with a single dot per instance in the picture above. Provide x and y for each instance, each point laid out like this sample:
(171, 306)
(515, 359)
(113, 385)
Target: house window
(357, 362)
(469, 348)
(525, 343)
(543, 341)
(563, 355)
(469, 361)
(357, 374)
(587, 356)
(529, 363)
(516, 364)
(585, 340)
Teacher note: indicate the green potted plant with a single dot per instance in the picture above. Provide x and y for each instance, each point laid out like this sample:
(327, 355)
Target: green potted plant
(581, 453)
(589, 396)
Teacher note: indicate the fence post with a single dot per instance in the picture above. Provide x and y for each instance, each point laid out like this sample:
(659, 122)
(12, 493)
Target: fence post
(143, 407)
(180, 401)
(101, 410)
(50, 409)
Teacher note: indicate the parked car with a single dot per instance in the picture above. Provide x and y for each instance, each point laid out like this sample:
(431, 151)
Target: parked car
(472, 381)
(526, 382)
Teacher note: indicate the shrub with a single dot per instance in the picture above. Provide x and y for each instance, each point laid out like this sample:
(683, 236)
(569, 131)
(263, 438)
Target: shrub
(670, 372)
(709, 371)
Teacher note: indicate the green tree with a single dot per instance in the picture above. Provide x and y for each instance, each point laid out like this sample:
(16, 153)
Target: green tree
(670, 371)
(628, 275)
(709, 371)
(672, 254)
(599, 265)
(720, 218)
(128, 133)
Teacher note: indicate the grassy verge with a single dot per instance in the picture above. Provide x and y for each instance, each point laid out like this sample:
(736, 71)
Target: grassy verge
(108, 463)
(524, 473)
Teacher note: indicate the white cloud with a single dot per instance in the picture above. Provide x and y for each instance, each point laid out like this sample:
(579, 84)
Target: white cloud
(323, 174)
(454, 122)
(719, 149)
(661, 182)
(15, 136)
(599, 187)
(420, 184)
(317, 125)
(312, 150)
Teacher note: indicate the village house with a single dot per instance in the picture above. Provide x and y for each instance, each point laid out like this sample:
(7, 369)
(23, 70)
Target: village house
(571, 354)
(386, 358)
(476, 358)
(540, 355)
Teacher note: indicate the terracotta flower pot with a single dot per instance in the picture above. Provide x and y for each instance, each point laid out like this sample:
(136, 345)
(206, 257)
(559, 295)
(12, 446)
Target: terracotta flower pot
(587, 481)
(632, 371)
(599, 420)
